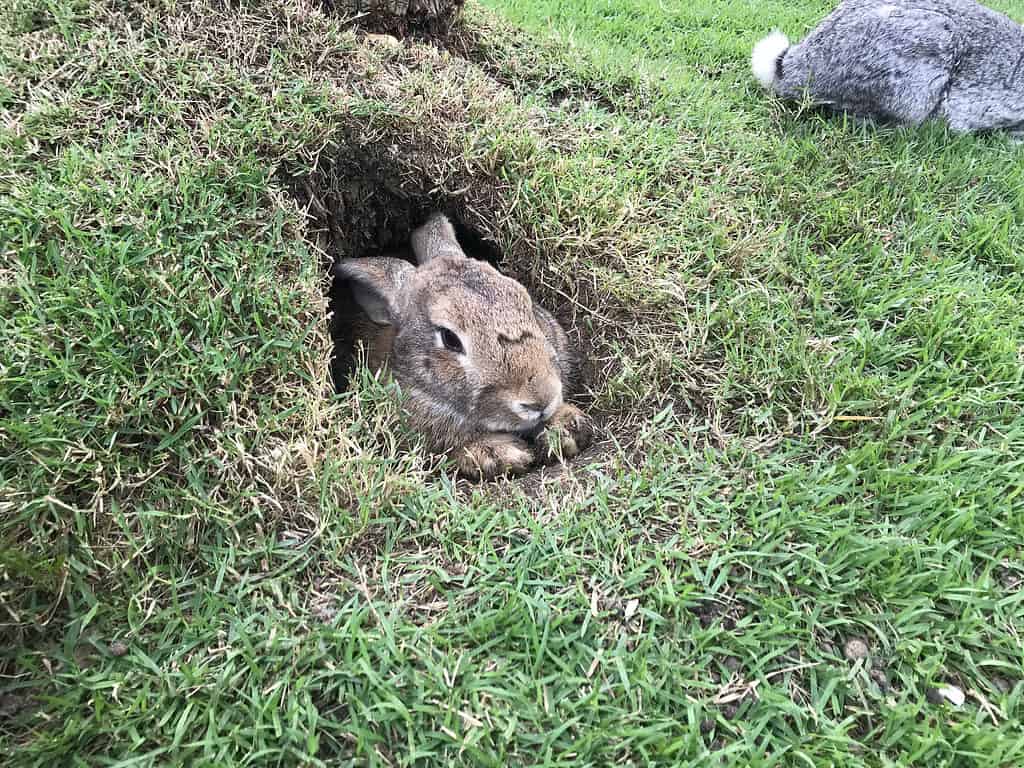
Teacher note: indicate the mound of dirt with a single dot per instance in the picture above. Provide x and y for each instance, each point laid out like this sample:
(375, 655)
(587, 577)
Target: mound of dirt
(420, 18)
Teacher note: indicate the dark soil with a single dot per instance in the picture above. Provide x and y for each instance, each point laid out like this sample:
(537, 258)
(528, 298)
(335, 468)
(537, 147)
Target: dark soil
(427, 20)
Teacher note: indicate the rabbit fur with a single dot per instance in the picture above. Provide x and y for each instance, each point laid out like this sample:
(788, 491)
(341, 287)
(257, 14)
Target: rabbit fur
(481, 366)
(906, 61)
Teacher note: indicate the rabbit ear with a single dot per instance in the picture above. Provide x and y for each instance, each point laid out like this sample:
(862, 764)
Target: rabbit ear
(436, 238)
(378, 285)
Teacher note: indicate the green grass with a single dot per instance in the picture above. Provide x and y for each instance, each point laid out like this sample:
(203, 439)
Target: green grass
(809, 338)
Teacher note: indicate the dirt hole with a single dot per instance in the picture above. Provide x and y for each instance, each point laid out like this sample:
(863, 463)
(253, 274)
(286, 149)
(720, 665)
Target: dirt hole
(366, 201)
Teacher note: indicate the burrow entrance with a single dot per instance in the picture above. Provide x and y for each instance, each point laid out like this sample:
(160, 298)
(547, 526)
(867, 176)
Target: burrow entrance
(365, 201)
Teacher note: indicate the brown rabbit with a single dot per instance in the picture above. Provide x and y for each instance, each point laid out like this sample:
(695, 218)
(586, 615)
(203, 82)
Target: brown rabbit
(481, 366)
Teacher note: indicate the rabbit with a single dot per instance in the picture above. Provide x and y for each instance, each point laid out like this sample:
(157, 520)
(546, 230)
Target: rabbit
(906, 61)
(482, 367)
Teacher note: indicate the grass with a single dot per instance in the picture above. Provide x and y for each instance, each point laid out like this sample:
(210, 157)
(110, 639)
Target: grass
(807, 345)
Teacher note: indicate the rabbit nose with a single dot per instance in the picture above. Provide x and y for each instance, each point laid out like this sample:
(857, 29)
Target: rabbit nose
(552, 406)
(534, 407)
(540, 402)
(542, 409)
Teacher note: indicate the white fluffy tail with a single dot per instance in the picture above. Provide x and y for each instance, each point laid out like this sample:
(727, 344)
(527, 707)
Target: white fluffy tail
(766, 58)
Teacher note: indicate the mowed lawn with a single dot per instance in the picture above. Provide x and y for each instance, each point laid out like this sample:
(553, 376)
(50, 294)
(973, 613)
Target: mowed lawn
(805, 513)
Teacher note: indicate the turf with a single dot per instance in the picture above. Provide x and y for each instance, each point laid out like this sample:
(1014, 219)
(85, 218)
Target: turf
(806, 339)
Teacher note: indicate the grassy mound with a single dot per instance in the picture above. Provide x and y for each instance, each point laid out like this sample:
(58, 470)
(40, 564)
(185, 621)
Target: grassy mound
(805, 341)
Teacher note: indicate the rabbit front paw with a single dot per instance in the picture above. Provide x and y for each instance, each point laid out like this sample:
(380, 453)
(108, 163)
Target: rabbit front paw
(567, 433)
(494, 455)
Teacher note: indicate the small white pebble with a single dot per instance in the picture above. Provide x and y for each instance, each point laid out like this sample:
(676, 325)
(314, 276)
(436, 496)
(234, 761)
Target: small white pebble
(953, 695)
(855, 650)
(631, 607)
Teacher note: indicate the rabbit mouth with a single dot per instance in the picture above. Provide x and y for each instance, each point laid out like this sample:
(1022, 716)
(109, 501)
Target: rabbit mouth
(532, 432)
(527, 428)
(531, 426)
(524, 419)
(515, 425)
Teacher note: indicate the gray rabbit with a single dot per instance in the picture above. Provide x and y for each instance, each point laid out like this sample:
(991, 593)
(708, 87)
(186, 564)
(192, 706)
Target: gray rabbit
(906, 61)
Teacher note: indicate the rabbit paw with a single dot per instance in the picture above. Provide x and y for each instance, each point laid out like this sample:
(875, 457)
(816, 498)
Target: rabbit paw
(566, 434)
(494, 455)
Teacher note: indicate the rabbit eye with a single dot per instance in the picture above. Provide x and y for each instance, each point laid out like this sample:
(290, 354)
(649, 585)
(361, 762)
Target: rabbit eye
(450, 340)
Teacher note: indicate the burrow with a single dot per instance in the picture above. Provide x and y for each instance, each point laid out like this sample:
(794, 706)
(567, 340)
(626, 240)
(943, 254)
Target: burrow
(366, 200)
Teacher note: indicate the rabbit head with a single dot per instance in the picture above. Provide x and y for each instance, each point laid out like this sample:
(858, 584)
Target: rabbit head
(468, 347)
